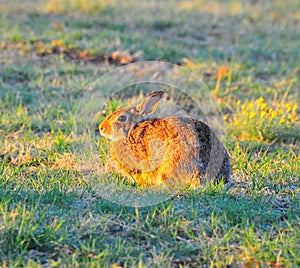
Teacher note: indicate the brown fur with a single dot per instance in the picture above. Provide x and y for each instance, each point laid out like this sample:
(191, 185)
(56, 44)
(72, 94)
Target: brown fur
(169, 151)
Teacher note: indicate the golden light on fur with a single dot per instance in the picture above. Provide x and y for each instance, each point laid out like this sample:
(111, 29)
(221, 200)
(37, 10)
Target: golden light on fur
(170, 150)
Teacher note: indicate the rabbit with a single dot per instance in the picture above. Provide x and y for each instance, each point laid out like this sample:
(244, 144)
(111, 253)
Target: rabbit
(172, 150)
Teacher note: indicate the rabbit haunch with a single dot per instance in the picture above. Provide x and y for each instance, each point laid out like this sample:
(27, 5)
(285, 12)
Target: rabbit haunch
(167, 150)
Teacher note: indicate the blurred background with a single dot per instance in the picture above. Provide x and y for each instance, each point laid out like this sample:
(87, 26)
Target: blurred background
(241, 49)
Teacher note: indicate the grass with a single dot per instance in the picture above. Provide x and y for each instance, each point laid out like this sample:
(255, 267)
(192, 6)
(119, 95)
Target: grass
(50, 213)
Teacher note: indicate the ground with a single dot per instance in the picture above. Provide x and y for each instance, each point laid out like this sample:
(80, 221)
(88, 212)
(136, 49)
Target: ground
(247, 52)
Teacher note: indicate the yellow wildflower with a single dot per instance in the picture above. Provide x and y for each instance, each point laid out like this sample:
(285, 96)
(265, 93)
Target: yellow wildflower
(288, 107)
(252, 114)
(295, 107)
(237, 122)
(225, 117)
(245, 124)
(280, 112)
(263, 106)
(250, 105)
(260, 100)
(282, 120)
(263, 114)
(238, 102)
(273, 115)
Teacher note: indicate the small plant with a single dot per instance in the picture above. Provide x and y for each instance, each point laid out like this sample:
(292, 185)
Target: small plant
(257, 120)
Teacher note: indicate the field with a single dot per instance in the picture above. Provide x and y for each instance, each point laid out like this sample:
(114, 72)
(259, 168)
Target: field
(247, 52)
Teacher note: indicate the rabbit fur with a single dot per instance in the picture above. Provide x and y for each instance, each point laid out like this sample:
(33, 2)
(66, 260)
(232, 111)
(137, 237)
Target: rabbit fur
(170, 150)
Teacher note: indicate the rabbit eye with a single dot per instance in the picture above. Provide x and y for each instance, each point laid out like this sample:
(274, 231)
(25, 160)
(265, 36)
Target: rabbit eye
(122, 118)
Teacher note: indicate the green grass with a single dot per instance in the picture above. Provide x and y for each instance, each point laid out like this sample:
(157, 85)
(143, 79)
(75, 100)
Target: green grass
(50, 213)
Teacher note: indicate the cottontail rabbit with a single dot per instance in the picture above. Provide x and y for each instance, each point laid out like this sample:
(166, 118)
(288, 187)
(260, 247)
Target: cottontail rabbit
(163, 151)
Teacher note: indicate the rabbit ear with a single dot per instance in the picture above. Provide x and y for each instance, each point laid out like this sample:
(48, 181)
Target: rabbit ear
(150, 103)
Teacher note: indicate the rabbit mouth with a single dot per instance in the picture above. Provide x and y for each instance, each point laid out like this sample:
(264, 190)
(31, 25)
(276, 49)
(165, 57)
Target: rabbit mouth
(110, 137)
(106, 135)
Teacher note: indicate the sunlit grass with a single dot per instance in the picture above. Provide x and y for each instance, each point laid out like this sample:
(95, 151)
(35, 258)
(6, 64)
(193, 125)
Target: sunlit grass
(51, 215)
(257, 120)
(90, 7)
